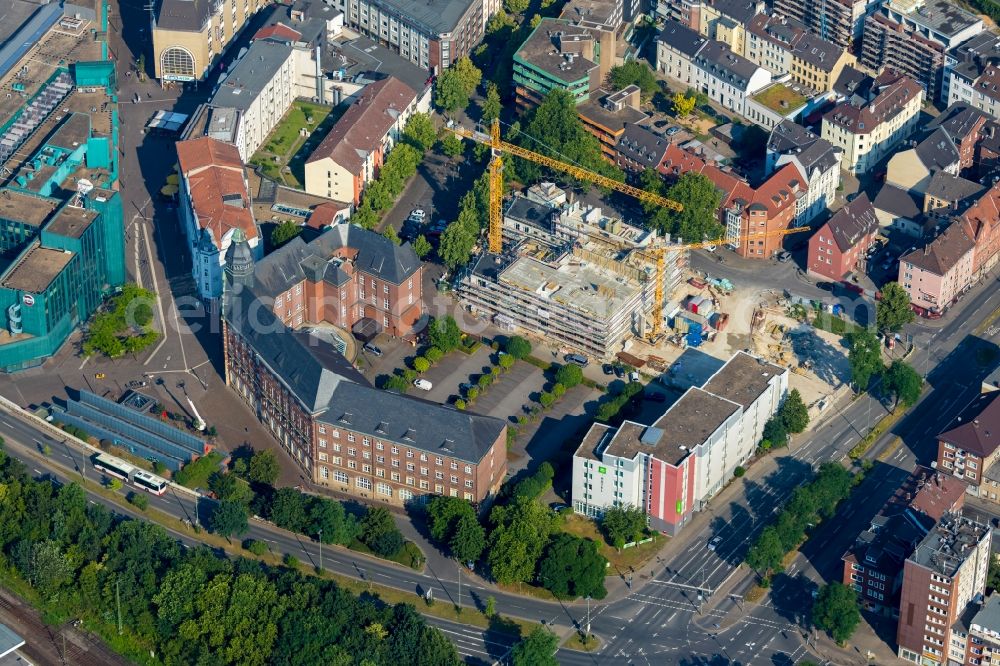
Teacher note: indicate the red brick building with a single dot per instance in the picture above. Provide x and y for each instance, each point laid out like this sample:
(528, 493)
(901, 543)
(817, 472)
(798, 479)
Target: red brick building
(767, 209)
(838, 248)
(968, 449)
(344, 433)
(873, 565)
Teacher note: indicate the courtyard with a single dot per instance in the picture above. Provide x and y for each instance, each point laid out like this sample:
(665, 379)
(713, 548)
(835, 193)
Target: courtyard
(283, 156)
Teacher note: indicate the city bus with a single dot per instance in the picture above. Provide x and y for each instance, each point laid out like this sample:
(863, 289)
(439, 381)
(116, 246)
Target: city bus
(117, 467)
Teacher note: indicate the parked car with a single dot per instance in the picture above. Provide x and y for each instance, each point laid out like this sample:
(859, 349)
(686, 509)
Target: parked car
(673, 130)
(619, 372)
(634, 376)
(372, 349)
(423, 384)
(418, 214)
(608, 369)
(784, 256)
(579, 359)
(661, 123)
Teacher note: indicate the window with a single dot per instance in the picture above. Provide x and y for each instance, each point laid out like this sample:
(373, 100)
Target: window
(337, 460)
(341, 476)
(438, 461)
(323, 457)
(177, 61)
(336, 434)
(409, 454)
(454, 465)
(366, 455)
(350, 437)
(380, 473)
(364, 483)
(380, 460)
(322, 443)
(367, 469)
(395, 450)
(385, 289)
(351, 451)
(468, 469)
(324, 473)
(385, 303)
(394, 476)
(379, 447)
(438, 488)
(322, 430)
(468, 483)
(384, 489)
(352, 464)
(423, 457)
(336, 448)
(395, 463)
(423, 471)
(454, 479)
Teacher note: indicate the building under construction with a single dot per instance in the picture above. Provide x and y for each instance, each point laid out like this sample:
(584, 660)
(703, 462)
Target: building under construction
(571, 274)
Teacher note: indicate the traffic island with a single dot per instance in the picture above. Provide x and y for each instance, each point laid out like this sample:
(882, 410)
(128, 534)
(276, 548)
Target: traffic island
(580, 642)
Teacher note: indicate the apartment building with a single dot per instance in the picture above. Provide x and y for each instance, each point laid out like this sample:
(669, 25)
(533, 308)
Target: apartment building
(912, 38)
(785, 46)
(606, 115)
(770, 207)
(947, 196)
(672, 467)
(873, 565)
(838, 21)
(816, 159)
(840, 246)
(676, 47)
(969, 75)
(724, 20)
(188, 36)
(936, 274)
(214, 203)
(868, 127)
(430, 35)
(727, 78)
(968, 448)
(350, 156)
(640, 148)
(556, 55)
(941, 578)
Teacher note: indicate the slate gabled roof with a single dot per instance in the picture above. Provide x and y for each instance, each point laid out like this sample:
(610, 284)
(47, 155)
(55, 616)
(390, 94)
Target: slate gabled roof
(853, 222)
(977, 428)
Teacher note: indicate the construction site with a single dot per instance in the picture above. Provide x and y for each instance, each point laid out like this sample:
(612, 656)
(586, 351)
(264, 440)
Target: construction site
(582, 280)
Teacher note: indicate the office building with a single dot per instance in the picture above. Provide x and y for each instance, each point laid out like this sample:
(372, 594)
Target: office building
(345, 434)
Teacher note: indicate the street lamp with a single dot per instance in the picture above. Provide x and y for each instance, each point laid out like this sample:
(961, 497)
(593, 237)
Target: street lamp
(320, 550)
(587, 630)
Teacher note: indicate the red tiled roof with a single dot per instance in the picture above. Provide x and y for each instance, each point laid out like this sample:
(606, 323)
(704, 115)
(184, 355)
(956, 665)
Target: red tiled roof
(896, 91)
(280, 32)
(214, 174)
(324, 215)
(977, 428)
(363, 127)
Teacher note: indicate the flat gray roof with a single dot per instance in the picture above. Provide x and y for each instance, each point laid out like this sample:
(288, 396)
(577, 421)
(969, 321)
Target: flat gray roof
(9, 641)
(36, 269)
(439, 16)
(254, 71)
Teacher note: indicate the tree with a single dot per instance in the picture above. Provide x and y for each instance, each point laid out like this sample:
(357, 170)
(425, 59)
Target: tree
(143, 314)
(554, 128)
(572, 567)
(230, 486)
(433, 354)
(444, 333)
(700, 198)
(634, 72)
(421, 246)
(546, 399)
(836, 611)
(456, 244)
(230, 518)
(468, 540)
(330, 517)
(421, 364)
(379, 532)
(420, 132)
(893, 311)
(623, 524)
(794, 413)
(993, 575)
(506, 362)
(443, 514)
(264, 467)
(520, 532)
(49, 570)
(455, 85)
(536, 649)
(766, 552)
(683, 105)
(390, 233)
(491, 106)
(515, 6)
(288, 509)
(903, 382)
(569, 375)
(774, 433)
(283, 233)
(517, 347)
(365, 217)
(865, 357)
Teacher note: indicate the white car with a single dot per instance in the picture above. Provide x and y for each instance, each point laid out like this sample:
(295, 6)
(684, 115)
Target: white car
(418, 214)
(714, 543)
(633, 376)
(423, 384)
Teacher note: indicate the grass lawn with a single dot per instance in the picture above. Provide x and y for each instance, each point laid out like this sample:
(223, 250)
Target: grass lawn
(630, 557)
(291, 149)
(409, 555)
(195, 474)
(780, 99)
(577, 641)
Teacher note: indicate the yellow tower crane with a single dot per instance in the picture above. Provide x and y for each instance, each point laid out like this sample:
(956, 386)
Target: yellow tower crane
(495, 235)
